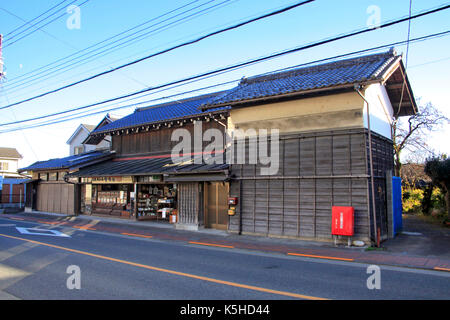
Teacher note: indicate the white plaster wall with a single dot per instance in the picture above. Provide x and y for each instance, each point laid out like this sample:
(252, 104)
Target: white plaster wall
(380, 108)
(78, 141)
(12, 165)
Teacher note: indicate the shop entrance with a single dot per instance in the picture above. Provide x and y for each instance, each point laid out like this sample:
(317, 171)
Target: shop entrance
(156, 201)
(216, 207)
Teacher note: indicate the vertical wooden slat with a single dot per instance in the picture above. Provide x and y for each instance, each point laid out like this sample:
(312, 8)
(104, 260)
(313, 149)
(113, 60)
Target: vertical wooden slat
(315, 186)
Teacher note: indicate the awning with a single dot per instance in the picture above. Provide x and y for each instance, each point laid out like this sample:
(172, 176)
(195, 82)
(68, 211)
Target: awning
(149, 165)
(197, 177)
(32, 181)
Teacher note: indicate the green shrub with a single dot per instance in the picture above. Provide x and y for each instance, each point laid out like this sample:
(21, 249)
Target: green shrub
(411, 199)
(437, 199)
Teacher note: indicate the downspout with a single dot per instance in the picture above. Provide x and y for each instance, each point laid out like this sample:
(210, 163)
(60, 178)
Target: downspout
(372, 184)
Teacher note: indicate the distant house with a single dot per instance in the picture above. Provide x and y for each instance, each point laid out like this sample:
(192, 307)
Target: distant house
(49, 191)
(77, 141)
(9, 163)
(12, 191)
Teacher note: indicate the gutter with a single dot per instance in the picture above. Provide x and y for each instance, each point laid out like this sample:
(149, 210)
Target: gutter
(357, 88)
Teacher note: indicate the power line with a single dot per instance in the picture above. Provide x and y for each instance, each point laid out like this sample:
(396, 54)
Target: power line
(406, 60)
(82, 115)
(29, 22)
(273, 13)
(39, 77)
(304, 47)
(41, 71)
(21, 129)
(38, 28)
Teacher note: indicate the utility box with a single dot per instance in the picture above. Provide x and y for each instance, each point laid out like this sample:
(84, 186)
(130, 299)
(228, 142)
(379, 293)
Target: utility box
(342, 221)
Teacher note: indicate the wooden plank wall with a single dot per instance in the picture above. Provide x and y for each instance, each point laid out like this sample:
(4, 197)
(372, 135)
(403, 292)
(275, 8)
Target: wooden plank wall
(189, 204)
(317, 171)
(56, 197)
(383, 161)
(154, 141)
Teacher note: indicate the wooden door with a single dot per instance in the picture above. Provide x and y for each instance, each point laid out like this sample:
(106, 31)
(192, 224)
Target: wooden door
(216, 206)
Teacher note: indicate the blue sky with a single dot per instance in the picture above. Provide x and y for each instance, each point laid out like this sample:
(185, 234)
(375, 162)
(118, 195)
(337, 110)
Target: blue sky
(428, 62)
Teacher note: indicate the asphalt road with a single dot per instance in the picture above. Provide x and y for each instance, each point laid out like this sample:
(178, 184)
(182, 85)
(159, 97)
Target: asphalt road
(126, 267)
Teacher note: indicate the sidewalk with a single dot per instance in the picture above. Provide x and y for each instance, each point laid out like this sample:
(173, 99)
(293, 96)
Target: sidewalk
(401, 251)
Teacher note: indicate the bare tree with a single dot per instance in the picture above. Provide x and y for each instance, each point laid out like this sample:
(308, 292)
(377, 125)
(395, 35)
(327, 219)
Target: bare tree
(412, 134)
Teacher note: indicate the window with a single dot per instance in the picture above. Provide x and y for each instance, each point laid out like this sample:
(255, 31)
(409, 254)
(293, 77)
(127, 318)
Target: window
(43, 176)
(53, 176)
(78, 150)
(4, 166)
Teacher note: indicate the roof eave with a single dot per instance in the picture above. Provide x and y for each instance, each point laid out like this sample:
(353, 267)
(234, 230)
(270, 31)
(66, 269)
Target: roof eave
(411, 108)
(294, 95)
(163, 121)
(81, 126)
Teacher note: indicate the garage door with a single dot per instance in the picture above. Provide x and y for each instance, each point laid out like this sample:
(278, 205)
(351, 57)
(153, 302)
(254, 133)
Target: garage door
(56, 197)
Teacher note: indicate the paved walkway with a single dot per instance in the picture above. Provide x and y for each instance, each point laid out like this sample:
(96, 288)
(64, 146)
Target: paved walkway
(403, 251)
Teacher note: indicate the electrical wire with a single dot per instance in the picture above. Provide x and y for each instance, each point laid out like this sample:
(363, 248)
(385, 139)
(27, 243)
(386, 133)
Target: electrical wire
(406, 60)
(61, 15)
(32, 77)
(29, 22)
(82, 114)
(273, 13)
(103, 53)
(301, 48)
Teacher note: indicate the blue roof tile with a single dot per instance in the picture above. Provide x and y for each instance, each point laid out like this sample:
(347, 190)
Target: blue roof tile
(75, 161)
(162, 112)
(331, 74)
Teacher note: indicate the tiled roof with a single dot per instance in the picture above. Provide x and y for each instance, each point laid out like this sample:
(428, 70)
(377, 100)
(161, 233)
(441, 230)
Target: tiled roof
(338, 73)
(145, 166)
(10, 153)
(75, 161)
(162, 112)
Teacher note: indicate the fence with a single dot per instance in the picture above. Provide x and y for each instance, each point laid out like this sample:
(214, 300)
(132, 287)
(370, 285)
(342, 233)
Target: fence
(12, 198)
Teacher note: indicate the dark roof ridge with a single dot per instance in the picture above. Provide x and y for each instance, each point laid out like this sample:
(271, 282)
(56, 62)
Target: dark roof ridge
(317, 67)
(172, 102)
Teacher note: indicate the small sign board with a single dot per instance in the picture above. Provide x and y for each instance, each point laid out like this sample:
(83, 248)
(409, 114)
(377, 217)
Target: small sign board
(110, 180)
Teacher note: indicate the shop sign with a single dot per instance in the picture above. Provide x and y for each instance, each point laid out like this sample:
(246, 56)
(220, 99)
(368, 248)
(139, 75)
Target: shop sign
(107, 180)
(155, 178)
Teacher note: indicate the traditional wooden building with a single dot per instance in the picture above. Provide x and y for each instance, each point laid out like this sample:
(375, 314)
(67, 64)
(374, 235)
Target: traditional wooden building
(144, 182)
(332, 147)
(335, 146)
(49, 191)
